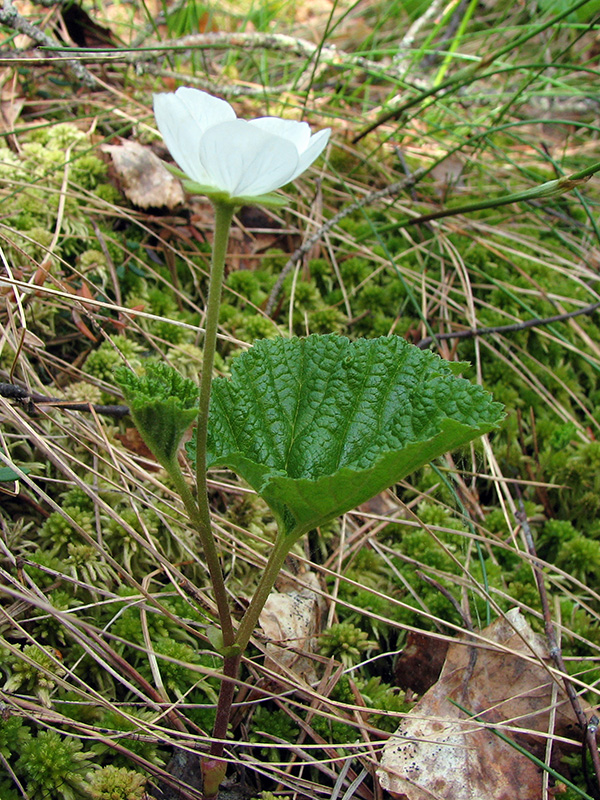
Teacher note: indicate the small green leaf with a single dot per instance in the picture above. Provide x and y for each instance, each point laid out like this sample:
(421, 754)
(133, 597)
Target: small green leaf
(163, 405)
(9, 475)
(215, 637)
(319, 425)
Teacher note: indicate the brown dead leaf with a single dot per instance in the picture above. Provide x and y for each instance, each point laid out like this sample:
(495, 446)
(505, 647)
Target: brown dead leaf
(132, 440)
(291, 619)
(11, 106)
(81, 326)
(143, 177)
(83, 30)
(438, 752)
(448, 174)
(420, 662)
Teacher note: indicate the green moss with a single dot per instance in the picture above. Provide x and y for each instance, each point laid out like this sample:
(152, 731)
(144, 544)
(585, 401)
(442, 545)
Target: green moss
(277, 724)
(346, 643)
(130, 723)
(52, 766)
(7, 792)
(379, 695)
(354, 270)
(57, 532)
(13, 735)
(327, 320)
(34, 670)
(177, 668)
(257, 327)
(116, 783)
(101, 363)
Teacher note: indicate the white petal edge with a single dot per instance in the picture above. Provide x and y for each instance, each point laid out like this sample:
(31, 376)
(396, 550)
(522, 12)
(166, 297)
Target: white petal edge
(182, 118)
(203, 108)
(173, 123)
(296, 132)
(245, 161)
(318, 143)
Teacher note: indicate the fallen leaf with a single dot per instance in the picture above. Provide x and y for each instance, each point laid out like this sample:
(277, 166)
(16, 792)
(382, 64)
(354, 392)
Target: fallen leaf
(291, 619)
(83, 30)
(420, 662)
(11, 106)
(132, 440)
(439, 752)
(81, 326)
(143, 177)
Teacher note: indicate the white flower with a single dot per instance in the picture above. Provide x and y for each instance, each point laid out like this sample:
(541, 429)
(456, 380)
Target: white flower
(242, 159)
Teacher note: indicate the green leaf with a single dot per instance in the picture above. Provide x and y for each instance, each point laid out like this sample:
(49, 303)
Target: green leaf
(319, 425)
(163, 405)
(8, 474)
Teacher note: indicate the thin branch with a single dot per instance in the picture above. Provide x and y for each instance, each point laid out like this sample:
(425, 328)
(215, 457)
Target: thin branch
(10, 17)
(368, 199)
(12, 392)
(263, 41)
(516, 326)
(588, 727)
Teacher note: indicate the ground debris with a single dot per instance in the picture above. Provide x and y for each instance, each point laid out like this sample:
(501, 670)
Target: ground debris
(439, 751)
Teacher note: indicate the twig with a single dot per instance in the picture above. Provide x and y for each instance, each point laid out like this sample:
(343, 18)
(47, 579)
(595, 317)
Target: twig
(588, 727)
(473, 653)
(264, 41)
(401, 60)
(12, 392)
(516, 326)
(372, 197)
(10, 17)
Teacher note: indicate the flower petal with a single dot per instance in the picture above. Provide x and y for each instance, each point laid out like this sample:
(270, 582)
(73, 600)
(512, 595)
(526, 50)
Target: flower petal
(182, 118)
(296, 132)
(244, 160)
(203, 108)
(317, 144)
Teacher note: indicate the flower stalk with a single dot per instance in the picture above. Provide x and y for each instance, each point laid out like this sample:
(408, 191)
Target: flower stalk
(223, 216)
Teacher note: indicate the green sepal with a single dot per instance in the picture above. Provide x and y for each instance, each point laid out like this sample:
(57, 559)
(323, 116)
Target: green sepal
(271, 200)
(215, 637)
(163, 405)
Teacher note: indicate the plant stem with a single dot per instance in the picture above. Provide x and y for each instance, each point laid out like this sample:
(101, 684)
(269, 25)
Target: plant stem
(210, 551)
(223, 216)
(266, 583)
(231, 667)
(214, 768)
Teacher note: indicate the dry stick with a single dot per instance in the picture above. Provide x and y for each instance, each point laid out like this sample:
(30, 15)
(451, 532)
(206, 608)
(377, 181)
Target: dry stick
(10, 17)
(473, 652)
(264, 41)
(12, 392)
(328, 56)
(372, 197)
(516, 326)
(588, 728)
